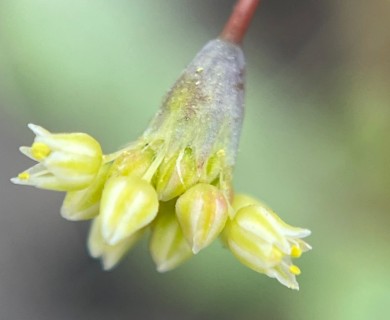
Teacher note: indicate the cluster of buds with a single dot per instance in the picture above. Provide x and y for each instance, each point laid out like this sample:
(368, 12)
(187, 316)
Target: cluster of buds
(175, 181)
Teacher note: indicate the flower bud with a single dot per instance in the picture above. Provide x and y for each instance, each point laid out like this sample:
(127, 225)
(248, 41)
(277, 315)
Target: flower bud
(84, 204)
(128, 204)
(168, 246)
(110, 255)
(202, 212)
(262, 241)
(67, 161)
(213, 167)
(133, 162)
(175, 175)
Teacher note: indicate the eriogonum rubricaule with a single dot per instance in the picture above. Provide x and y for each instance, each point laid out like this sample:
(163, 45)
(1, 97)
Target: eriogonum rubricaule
(175, 180)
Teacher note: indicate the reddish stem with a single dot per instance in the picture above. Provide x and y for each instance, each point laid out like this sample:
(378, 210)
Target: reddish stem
(239, 21)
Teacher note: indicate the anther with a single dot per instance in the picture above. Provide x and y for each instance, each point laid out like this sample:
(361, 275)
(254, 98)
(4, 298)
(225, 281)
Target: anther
(40, 150)
(295, 270)
(24, 176)
(296, 252)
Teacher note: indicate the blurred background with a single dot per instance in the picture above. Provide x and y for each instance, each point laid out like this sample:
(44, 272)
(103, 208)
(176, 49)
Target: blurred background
(315, 147)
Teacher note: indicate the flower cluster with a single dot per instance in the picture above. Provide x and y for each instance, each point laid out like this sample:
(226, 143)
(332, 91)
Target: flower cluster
(175, 180)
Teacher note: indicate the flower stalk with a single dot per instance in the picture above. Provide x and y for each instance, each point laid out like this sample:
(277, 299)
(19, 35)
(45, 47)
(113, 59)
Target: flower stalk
(239, 21)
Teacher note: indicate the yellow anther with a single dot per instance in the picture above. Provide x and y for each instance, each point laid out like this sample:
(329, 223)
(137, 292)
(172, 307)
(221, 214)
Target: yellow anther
(24, 176)
(296, 252)
(295, 270)
(199, 70)
(40, 151)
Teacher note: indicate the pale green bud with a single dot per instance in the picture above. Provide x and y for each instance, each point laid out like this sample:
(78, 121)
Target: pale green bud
(176, 174)
(213, 167)
(262, 241)
(67, 161)
(202, 212)
(128, 204)
(133, 162)
(168, 246)
(110, 255)
(84, 204)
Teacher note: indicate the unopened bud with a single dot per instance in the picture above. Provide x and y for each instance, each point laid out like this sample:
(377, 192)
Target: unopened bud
(110, 255)
(84, 204)
(202, 212)
(133, 162)
(168, 246)
(128, 204)
(175, 175)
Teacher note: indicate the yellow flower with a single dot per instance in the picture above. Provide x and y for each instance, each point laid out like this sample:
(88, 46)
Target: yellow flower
(262, 241)
(176, 179)
(65, 161)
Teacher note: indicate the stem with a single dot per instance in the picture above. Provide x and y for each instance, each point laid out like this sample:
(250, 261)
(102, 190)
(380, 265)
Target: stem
(238, 23)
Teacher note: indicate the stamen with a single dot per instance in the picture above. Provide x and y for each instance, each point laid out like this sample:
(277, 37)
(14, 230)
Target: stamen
(40, 151)
(24, 176)
(296, 252)
(295, 270)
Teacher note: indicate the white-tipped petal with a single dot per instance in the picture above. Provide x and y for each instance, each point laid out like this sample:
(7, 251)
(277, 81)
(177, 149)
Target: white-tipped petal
(109, 255)
(27, 152)
(38, 130)
(283, 274)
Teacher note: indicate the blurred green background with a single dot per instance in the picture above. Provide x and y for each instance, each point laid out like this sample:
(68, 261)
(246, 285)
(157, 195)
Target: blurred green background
(315, 146)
